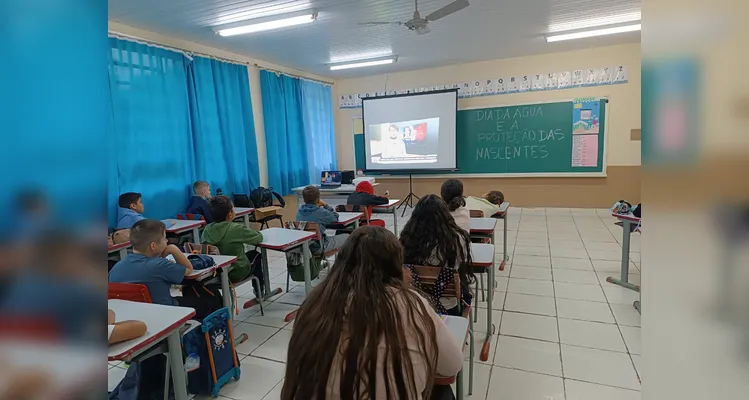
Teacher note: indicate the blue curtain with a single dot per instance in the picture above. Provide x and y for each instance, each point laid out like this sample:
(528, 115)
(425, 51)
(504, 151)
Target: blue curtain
(152, 132)
(222, 125)
(284, 132)
(317, 105)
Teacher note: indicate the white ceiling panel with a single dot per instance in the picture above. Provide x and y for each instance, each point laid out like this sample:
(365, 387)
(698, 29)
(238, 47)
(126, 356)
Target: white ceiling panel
(486, 30)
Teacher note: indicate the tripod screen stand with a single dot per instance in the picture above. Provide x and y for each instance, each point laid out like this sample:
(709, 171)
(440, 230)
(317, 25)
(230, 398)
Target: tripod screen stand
(409, 200)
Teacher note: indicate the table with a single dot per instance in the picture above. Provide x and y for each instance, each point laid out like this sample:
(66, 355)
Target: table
(121, 248)
(483, 228)
(182, 226)
(244, 213)
(162, 323)
(222, 262)
(482, 256)
(504, 209)
(347, 218)
(628, 221)
(389, 208)
(458, 327)
(343, 190)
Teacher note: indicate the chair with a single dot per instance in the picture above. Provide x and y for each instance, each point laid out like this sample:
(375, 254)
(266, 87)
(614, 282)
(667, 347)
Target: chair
(243, 200)
(428, 277)
(137, 292)
(190, 217)
(475, 213)
(311, 227)
(365, 210)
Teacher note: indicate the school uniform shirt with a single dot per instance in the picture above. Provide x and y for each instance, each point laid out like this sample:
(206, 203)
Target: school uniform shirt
(230, 238)
(481, 204)
(449, 354)
(462, 217)
(157, 273)
(323, 216)
(199, 205)
(126, 218)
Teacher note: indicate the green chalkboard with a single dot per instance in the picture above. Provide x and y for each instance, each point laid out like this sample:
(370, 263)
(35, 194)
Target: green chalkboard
(531, 138)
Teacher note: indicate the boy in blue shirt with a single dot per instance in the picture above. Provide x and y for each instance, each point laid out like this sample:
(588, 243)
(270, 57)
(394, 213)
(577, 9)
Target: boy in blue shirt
(199, 201)
(316, 210)
(147, 265)
(130, 211)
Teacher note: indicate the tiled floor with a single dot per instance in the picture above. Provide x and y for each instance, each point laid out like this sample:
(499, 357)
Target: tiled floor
(563, 331)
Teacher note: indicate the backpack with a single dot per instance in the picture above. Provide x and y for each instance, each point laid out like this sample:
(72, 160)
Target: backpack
(263, 197)
(212, 344)
(144, 380)
(192, 248)
(201, 261)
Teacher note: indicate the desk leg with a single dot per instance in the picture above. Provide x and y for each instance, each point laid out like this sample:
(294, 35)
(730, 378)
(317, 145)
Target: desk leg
(226, 291)
(489, 327)
(356, 224)
(196, 235)
(123, 253)
(624, 279)
(395, 221)
(266, 272)
(307, 274)
(504, 241)
(246, 219)
(459, 385)
(175, 363)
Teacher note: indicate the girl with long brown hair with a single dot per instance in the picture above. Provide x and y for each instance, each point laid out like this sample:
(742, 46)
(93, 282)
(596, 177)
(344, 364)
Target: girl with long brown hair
(363, 334)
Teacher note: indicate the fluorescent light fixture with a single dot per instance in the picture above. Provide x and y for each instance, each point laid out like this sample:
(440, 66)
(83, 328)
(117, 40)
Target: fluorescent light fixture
(364, 63)
(594, 32)
(266, 24)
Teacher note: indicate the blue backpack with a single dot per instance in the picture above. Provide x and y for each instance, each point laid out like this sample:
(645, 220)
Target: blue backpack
(213, 346)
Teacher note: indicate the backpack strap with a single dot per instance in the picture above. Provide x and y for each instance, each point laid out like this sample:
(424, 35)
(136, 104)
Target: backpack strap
(279, 198)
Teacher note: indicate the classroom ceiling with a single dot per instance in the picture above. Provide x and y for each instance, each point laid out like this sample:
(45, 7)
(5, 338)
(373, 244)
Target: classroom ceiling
(486, 30)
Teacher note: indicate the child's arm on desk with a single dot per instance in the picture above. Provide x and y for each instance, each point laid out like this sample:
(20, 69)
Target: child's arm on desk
(179, 257)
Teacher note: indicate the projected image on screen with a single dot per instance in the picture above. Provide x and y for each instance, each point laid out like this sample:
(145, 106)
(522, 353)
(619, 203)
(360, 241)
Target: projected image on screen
(411, 142)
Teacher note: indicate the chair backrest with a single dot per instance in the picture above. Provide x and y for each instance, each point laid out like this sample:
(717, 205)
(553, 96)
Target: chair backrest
(305, 226)
(190, 217)
(129, 291)
(193, 248)
(365, 210)
(476, 213)
(428, 277)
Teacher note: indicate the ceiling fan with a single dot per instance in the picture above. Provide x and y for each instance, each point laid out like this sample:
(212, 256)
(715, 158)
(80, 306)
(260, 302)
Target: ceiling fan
(420, 25)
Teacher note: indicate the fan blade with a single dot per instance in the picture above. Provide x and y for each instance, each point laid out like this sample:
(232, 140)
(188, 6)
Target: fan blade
(380, 23)
(453, 7)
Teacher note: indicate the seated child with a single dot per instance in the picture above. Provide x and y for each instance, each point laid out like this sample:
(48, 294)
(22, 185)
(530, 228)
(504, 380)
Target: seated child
(130, 211)
(123, 330)
(364, 196)
(488, 203)
(199, 201)
(316, 210)
(147, 264)
(452, 194)
(432, 238)
(230, 238)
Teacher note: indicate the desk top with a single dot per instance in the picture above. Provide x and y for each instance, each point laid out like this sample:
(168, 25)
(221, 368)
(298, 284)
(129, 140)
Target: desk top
(458, 326)
(502, 210)
(346, 218)
(160, 321)
(628, 217)
(242, 211)
(221, 262)
(117, 247)
(482, 254)
(483, 225)
(392, 203)
(281, 239)
(181, 225)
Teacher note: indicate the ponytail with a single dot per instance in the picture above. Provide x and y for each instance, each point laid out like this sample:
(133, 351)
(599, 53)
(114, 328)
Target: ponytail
(456, 202)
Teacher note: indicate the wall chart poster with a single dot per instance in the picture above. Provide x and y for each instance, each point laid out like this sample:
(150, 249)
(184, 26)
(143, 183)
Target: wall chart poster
(585, 128)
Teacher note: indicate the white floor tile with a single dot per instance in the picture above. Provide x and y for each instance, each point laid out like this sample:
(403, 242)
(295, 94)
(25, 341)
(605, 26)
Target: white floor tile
(620, 295)
(577, 390)
(293, 298)
(631, 336)
(275, 348)
(531, 251)
(576, 276)
(538, 273)
(603, 246)
(569, 253)
(275, 394)
(114, 376)
(528, 355)
(563, 235)
(625, 314)
(571, 263)
(529, 326)
(531, 261)
(533, 242)
(532, 235)
(636, 360)
(530, 304)
(258, 378)
(632, 277)
(257, 335)
(584, 310)
(528, 286)
(481, 376)
(591, 334)
(613, 267)
(567, 243)
(478, 341)
(480, 324)
(612, 255)
(577, 291)
(599, 366)
(274, 315)
(512, 384)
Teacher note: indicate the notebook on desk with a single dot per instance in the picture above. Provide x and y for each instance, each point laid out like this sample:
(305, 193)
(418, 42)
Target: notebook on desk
(330, 179)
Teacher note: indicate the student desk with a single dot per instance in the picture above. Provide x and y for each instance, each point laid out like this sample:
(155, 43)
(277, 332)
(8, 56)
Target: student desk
(341, 191)
(482, 256)
(482, 228)
(347, 218)
(504, 209)
(224, 263)
(389, 208)
(121, 248)
(628, 222)
(458, 327)
(244, 213)
(182, 226)
(163, 323)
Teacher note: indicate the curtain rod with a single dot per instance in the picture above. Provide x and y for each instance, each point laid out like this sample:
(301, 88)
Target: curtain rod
(190, 53)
